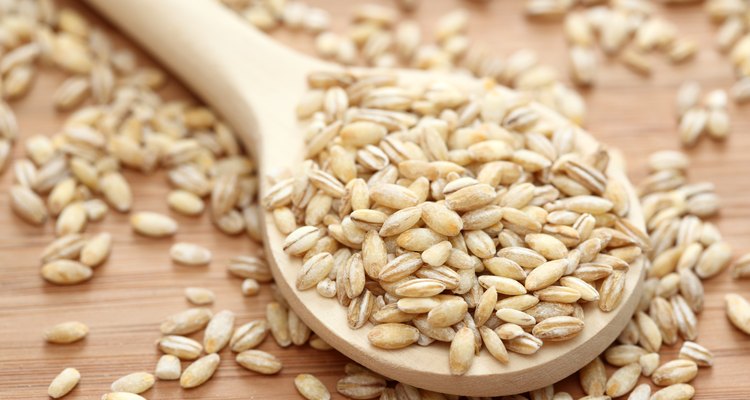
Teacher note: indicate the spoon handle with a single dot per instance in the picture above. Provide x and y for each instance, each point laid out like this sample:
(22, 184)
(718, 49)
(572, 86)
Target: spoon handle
(245, 75)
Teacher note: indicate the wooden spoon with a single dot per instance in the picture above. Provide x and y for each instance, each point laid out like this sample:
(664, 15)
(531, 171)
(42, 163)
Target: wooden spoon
(255, 84)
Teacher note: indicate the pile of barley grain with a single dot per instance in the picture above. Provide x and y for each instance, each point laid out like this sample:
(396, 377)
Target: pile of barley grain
(440, 214)
(118, 122)
(686, 248)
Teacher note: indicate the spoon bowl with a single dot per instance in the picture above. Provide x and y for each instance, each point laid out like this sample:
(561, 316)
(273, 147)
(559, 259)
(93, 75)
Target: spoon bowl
(255, 84)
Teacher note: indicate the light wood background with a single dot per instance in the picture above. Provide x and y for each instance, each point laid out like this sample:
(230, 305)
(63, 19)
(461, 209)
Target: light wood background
(129, 295)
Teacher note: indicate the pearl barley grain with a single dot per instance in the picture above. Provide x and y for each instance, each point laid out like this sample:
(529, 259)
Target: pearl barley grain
(66, 332)
(199, 296)
(311, 387)
(168, 368)
(190, 254)
(200, 371)
(250, 287)
(64, 383)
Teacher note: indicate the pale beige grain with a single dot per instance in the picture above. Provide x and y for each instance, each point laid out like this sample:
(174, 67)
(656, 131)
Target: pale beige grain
(137, 382)
(494, 344)
(249, 336)
(509, 331)
(218, 331)
(301, 240)
(696, 353)
(190, 254)
(168, 368)
(66, 247)
(72, 219)
(28, 205)
(641, 392)
(692, 125)
(96, 209)
(741, 267)
(314, 270)
(66, 272)
(361, 386)
(686, 318)
(61, 195)
(545, 274)
(63, 383)
(624, 354)
(649, 362)
(461, 354)
(485, 307)
(311, 388)
(276, 315)
(153, 224)
(526, 344)
(250, 267)
(713, 260)
(116, 191)
(199, 371)
(675, 371)
(623, 380)
(186, 322)
(250, 287)
(558, 328)
(298, 331)
(66, 332)
(392, 335)
(259, 361)
(71, 93)
(180, 347)
(185, 202)
(97, 249)
(593, 378)
(611, 290)
(199, 296)
(680, 391)
(738, 311)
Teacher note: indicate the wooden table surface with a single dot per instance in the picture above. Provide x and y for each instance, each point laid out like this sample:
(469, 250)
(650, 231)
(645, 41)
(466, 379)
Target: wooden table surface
(127, 298)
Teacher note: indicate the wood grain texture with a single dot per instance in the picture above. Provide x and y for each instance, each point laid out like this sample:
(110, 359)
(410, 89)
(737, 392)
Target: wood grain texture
(129, 295)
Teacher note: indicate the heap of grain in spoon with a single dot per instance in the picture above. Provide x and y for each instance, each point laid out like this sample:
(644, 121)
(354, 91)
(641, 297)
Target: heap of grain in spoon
(439, 214)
